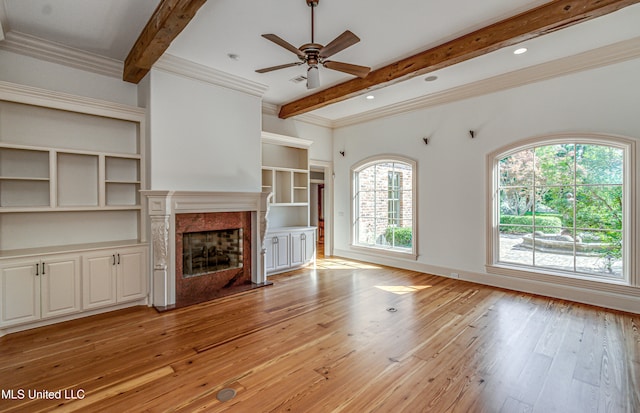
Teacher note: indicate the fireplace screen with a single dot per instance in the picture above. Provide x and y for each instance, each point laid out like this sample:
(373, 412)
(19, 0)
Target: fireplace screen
(210, 251)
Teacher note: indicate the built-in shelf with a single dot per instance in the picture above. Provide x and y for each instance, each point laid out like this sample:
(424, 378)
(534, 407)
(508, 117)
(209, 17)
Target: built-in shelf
(71, 170)
(285, 173)
(64, 162)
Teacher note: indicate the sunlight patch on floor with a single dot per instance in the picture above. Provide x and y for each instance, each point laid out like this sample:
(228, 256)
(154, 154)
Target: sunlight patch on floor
(402, 289)
(334, 264)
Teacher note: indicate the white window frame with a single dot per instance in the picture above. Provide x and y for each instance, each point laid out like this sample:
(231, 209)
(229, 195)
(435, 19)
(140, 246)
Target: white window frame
(630, 229)
(379, 250)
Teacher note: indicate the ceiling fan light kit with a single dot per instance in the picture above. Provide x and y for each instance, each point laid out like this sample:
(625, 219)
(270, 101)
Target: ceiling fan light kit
(314, 54)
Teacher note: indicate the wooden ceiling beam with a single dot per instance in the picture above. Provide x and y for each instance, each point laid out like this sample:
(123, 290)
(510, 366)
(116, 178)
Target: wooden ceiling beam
(166, 23)
(533, 23)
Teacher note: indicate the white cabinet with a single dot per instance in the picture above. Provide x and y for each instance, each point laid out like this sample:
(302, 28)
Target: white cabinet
(38, 288)
(290, 241)
(111, 277)
(277, 252)
(71, 170)
(302, 246)
(289, 248)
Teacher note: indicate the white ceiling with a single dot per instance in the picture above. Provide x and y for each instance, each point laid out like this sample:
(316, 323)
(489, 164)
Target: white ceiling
(389, 30)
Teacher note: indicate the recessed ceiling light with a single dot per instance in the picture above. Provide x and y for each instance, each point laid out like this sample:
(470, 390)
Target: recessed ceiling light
(520, 50)
(370, 97)
(430, 78)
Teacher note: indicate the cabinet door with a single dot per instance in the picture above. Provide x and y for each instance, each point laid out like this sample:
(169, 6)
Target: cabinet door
(281, 252)
(20, 292)
(132, 274)
(270, 245)
(60, 285)
(302, 247)
(99, 279)
(309, 245)
(277, 252)
(297, 248)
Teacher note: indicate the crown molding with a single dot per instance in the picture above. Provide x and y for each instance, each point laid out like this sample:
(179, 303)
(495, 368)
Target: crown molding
(316, 120)
(183, 67)
(272, 109)
(603, 56)
(29, 95)
(57, 53)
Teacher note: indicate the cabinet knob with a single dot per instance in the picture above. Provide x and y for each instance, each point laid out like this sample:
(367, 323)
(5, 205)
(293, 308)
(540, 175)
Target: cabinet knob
(303, 236)
(275, 240)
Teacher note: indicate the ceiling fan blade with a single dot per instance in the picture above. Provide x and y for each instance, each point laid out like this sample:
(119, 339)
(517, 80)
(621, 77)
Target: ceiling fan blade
(272, 68)
(283, 43)
(338, 44)
(360, 71)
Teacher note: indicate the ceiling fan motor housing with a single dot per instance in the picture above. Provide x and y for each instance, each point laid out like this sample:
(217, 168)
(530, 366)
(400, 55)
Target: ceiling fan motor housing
(312, 52)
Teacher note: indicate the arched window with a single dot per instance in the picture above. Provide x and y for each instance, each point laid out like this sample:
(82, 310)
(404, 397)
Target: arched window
(384, 205)
(561, 206)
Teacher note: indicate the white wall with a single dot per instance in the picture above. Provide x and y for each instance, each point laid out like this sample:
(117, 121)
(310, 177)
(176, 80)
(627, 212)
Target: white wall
(322, 147)
(452, 167)
(25, 70)
(202, 137)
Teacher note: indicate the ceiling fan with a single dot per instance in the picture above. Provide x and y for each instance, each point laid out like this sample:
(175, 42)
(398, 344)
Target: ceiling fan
(313, 54)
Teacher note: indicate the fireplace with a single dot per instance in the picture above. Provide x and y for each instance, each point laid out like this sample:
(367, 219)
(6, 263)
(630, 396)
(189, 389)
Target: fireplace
(206, 252)
(212, 264)
(205, 244)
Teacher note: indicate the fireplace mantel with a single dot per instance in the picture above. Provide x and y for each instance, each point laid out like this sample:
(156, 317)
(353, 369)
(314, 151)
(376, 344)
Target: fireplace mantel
(163, 207)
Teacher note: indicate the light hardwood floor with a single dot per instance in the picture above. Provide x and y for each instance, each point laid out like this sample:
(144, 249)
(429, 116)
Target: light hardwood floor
(324, 341)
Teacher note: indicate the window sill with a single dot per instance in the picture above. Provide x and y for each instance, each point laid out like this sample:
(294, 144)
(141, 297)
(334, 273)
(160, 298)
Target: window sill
(551, 277)
(385, 252)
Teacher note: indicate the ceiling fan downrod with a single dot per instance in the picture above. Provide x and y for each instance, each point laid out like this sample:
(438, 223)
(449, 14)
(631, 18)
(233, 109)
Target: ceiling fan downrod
(312, 4)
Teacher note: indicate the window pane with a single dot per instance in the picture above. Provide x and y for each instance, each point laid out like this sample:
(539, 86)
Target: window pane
(366, 179)
(511, 245)
(555, 206)
(516, 201)
(555, 165)
(599, 207)
(382, 229)
(400, 237)
(599, 165)
(366, 204)
(517, 169)
(382, 175)
(554, 248)
(600, 252)
(365, 229)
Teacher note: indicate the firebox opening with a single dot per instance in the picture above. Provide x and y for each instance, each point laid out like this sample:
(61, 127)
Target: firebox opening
(207, 252)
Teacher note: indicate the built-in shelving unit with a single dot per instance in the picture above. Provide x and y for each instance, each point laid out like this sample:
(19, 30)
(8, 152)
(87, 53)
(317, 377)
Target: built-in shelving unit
(41, 179)
(290, 241)
(285, 173)
(71, 169)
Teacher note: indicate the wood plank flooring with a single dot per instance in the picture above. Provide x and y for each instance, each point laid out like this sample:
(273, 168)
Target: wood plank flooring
(323, 340)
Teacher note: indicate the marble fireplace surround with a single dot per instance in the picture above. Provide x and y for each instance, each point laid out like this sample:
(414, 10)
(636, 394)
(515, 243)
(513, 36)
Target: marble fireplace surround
(163, 206)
